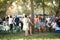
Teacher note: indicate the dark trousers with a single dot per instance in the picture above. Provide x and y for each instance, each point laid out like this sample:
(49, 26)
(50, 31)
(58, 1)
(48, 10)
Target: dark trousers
(11, 26)
(21, 26)
(17, 23)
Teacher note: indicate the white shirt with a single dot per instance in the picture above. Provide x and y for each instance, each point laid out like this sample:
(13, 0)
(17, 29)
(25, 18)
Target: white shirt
(53, 24)
(57, 28)
(10, 20)
(48, 20)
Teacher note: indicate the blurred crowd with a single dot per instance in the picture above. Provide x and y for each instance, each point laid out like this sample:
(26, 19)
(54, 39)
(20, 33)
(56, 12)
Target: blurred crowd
(49, 23)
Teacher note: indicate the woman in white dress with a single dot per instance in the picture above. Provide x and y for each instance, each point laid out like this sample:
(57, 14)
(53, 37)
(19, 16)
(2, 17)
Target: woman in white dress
(25, 25)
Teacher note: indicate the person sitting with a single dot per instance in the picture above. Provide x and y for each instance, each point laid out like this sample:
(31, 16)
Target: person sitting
(37, 22)
(43, 26)
(58, 27)
(53, 25)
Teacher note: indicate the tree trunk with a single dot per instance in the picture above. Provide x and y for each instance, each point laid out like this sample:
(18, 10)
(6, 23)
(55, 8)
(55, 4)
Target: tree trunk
(32, 14)
(43, 10)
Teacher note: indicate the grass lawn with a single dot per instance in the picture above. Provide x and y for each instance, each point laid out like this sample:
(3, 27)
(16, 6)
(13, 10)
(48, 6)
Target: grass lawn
(35, 36)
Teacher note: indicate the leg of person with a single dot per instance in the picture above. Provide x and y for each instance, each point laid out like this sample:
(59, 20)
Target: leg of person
(50, 29)
(30, 30)
(11, 27)
(53, 30)
(39, 29)
(21, 26)
(43, 28)
(26, 33)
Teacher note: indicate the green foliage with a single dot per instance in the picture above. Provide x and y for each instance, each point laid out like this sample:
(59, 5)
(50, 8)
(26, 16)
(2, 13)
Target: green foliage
(2, 14)
(37, 2)
(3, 6)
(24, 1)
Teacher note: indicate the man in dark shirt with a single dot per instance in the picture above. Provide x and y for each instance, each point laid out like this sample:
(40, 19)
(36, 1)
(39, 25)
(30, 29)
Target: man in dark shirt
(17, 21)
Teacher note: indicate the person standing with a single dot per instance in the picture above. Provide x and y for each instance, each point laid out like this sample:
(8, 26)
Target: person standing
(30, 26)
(11, 23)
(25, 25)
(17, 21)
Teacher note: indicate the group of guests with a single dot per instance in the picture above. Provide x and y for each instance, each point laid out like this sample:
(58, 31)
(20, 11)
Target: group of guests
(11, 22)
(48, 24)
(25, 24)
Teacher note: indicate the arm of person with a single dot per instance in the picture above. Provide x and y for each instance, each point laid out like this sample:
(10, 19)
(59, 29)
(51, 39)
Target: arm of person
(31, 22)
